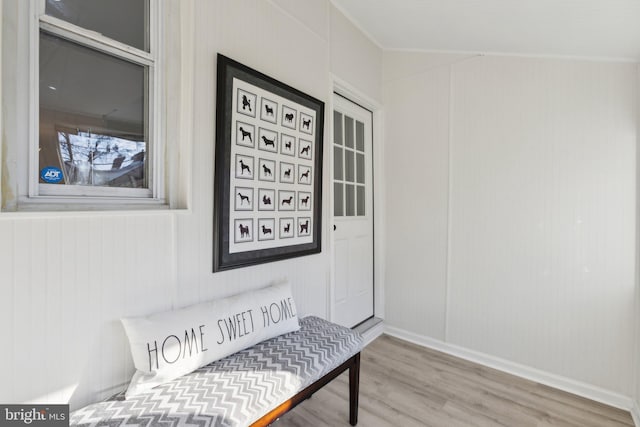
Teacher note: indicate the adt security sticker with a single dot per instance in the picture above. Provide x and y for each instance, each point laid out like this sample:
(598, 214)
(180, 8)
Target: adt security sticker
(51, 174)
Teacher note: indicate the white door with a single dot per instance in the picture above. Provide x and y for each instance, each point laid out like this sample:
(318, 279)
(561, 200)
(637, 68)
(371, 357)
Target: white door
(352, 213)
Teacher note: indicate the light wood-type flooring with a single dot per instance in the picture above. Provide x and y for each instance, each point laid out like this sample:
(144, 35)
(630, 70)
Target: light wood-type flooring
(404, 385)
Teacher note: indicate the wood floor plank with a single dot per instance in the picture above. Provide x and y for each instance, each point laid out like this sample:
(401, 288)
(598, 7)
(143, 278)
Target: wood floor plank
(403, 384)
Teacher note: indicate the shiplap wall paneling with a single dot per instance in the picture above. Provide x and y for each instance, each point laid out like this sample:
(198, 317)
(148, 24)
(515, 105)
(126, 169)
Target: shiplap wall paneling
(304, 65)
(543, 215)
(535, 192)
(636, 409)
(416, 153)
(66, 280)
(292, 42)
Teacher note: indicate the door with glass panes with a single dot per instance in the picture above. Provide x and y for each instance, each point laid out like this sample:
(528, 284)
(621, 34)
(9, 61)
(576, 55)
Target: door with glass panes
(352, 213)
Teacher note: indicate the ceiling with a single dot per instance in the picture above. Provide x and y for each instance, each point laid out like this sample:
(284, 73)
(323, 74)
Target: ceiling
(597, 29)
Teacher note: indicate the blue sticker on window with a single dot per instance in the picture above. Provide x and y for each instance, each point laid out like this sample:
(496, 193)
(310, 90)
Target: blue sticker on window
(51, 174)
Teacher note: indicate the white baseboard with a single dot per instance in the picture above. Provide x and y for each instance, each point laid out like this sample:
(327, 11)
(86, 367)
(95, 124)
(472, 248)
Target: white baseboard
(373, 333)
(556, 381)
(635, 413)
(370, 330)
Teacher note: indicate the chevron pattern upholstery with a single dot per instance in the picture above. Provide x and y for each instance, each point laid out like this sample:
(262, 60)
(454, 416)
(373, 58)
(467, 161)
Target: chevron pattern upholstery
(236, 390)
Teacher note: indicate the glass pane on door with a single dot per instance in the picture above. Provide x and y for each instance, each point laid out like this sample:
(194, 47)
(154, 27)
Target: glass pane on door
(349, 165)
(361, 201)
(338, 166)
(348, 131)
(349, 172)
(338, 199)
(360, 168)
(350, 200)
(359, 136)
(337, 128)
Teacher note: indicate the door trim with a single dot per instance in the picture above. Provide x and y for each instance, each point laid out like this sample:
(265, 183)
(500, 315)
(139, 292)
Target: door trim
(346, 90)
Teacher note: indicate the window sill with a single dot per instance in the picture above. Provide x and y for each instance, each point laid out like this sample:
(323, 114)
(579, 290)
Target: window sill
(43, 206)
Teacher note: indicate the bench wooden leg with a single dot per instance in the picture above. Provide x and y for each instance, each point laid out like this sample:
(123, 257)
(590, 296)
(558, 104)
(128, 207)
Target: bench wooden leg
(354, 389)
(353, 364)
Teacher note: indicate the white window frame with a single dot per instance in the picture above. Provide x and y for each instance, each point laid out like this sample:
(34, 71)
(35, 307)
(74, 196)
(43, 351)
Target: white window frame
(77, 194)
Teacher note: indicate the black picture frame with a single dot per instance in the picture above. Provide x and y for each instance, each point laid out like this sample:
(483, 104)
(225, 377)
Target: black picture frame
(234, 80)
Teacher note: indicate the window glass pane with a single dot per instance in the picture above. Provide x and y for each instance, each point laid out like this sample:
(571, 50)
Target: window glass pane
(359, 136)
(360, 167)
(93, 124)
(337, 128)
(337, 164)
(350, 200)
(348, 131)
(122, 20)
(361, 200)
(348, 166)
(338, 199)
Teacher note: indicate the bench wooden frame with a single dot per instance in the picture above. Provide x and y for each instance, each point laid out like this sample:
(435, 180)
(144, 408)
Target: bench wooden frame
(353, 364)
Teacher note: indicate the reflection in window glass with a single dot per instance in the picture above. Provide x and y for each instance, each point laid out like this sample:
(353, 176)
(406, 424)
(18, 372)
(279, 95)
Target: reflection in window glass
(93, 125)
(122, 20)
(94, 159)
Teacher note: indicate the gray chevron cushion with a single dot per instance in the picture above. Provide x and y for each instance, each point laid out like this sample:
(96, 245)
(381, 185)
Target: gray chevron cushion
(236, 390)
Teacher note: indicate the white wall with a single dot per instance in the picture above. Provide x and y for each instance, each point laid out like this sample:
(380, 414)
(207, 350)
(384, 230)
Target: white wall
(520, 240)
(416, 195)
(66, 279)
(510, 212)
(635, 412)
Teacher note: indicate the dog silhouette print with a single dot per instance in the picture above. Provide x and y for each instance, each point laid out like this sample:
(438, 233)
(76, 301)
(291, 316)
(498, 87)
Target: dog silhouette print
(268, 110)
(245, 103)
(245, 133)
(306, 123)
(266, 170)
(287, 201)
(305, 150)
(287, 227)
(304, 227)
(268, 142)
(287, 173)
(243, 167)
(265, 230)
(244, 230)
(305, 200)
(305, 176)
(266, 200)
(243, 198)
(288, 117)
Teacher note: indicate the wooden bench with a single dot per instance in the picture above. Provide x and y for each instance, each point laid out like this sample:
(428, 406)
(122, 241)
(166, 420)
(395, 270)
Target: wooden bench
(252, 387)
(353, 365)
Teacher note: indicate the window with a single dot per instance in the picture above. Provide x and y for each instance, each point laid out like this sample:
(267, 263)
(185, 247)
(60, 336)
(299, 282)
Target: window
(95, 106)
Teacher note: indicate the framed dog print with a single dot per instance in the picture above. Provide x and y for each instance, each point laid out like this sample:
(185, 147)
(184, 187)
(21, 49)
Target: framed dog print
(269, 148)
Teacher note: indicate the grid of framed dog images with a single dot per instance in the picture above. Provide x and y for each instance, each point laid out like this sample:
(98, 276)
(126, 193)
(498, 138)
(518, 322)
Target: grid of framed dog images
(268, 169)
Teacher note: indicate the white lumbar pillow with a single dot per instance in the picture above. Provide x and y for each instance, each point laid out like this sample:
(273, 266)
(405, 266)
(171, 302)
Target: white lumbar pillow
(167, 345)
